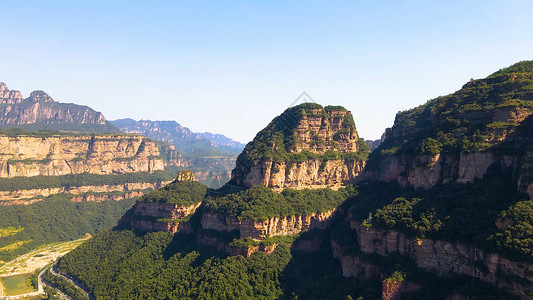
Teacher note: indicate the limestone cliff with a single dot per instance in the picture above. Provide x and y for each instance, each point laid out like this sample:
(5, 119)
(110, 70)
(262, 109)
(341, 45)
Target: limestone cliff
(306, 146)
(261, 230)
(30, 155)
(87, 192)
(441, 257)
(167, 208)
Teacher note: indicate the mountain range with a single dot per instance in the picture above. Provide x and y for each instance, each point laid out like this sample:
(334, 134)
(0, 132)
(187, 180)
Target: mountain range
(441, 209)
(186, 142)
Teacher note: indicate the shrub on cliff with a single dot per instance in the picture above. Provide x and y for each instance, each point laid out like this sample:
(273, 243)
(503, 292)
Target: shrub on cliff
(261, 203)
(180, 192)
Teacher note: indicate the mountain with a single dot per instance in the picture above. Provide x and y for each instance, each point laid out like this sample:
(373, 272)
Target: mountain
(306, 146)
(40, 112)
(441, 210)
(186, 141)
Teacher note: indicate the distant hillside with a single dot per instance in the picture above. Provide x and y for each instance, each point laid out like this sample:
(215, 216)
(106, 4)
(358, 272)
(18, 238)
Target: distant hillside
(186, 141)
(40, 112)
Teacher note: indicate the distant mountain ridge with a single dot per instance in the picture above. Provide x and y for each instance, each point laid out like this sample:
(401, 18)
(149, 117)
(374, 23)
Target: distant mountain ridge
(186, 141)
(40, 112)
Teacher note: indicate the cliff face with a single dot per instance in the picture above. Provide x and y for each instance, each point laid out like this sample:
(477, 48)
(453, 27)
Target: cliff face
(261, 230)
(86, 192)
(306, 174)
(9, 97)
(60, 155)
(39, 111)
(456, 138)
(157, 216)
(306, 146)
(441, 257)
(157, 211)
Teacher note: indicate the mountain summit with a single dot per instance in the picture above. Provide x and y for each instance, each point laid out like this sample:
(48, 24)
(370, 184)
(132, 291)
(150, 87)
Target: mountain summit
(306, 146)
(40, 112)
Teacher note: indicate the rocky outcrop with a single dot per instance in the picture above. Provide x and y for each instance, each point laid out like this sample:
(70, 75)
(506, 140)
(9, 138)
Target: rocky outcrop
(61, 155)
(307, 174)
(80, 190)
(308, 146)
(149, 216)
(9, 97)
(458, 137)
(245, 251)
(261, 230)
(443, 258)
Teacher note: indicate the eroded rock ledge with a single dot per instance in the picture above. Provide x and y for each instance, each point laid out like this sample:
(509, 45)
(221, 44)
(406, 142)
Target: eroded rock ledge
(438, 256)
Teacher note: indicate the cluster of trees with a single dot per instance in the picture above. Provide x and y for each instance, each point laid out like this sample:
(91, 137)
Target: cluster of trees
(182, 192)
(65, 286)
(84, 179)
(121, 265)
(275, 142)
(515, 234)
(261, 203)
(52, 221)
(459, 212)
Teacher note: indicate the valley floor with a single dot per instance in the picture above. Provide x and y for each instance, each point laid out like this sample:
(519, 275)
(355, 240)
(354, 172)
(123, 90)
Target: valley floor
(18, 270)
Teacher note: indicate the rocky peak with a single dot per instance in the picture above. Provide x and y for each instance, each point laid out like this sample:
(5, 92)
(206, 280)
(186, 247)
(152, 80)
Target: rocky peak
(9, 97)
(306, 146)
(185, 175)
(39, 96)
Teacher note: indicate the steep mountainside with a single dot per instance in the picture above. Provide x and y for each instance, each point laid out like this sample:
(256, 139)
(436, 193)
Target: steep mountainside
(186, 141)
(306, 146)
(40, 112)
(456, 138)
(442, 211)
(471, 151)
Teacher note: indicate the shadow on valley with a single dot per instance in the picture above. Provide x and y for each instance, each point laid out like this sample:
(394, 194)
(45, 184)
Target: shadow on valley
(123, 264)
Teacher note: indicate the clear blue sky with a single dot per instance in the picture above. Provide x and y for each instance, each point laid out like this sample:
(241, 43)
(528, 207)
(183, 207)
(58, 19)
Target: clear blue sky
(230, 66)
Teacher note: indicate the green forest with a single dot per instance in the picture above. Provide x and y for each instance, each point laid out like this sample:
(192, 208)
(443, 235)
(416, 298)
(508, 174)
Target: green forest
(58, 220)
(84, 179)
(261, 203)
(182, 192)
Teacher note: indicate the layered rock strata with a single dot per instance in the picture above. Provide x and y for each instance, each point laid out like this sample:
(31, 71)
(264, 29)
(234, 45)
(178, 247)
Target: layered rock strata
(81, 190)
(157, 216)
(438, 256)
(261, 230)
(308, 146)
(61, 155)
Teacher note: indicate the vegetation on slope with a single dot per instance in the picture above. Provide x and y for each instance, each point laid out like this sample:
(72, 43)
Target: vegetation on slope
(52, 220)
(466, 213)
(64, 285)
(474, 118)
(178, 192)
(84, 179)
(277, 141)
(120, 265)
(261, 203)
